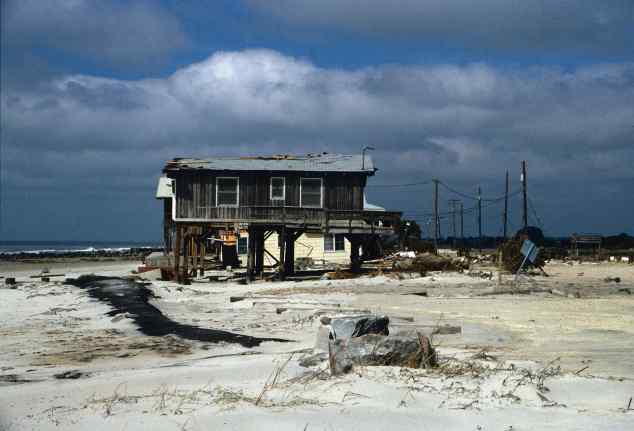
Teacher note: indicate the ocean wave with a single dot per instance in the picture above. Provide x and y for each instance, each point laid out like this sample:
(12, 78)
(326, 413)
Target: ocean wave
(78, 251)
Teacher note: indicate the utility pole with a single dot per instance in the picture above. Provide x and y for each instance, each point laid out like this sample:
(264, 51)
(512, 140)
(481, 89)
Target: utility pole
(435, 215)
(480, 218)
(506, 204)
(454, 231)
(525, 206)
(461, 224)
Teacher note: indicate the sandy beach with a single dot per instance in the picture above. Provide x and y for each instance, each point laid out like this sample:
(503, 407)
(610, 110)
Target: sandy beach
(534, 361)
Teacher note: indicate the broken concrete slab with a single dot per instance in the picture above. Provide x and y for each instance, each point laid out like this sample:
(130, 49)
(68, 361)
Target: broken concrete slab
(412, 351)
(347, 327)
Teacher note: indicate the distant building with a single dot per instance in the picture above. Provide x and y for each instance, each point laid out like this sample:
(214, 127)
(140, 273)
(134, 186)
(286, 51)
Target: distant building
(270, 209)
(585, 244)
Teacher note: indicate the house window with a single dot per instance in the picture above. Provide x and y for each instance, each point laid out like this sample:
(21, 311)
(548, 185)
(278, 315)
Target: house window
(334, 242)
(310, 192)
(227, 192)
(278, 189)
(243, 244)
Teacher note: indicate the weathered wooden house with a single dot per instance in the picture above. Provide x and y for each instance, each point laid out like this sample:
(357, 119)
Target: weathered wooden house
(284, 195)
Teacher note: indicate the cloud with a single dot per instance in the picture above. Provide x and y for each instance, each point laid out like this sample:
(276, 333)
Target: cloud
(599, 26)
(88, 135)
(131, 34)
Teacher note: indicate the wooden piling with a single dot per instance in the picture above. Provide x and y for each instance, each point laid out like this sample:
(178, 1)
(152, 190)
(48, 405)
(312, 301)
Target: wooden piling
(355, 260)
(289, 254)
(177, 252)
(259, 252)
(185, 272)
(282, 245)
(251, 246)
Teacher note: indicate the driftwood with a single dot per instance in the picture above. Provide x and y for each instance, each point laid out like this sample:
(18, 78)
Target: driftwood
(421, 293)
(514, 292)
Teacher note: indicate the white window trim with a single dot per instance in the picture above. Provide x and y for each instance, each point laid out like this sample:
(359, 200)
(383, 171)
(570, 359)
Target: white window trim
(237, 191)
(321, 192)
(283, 198)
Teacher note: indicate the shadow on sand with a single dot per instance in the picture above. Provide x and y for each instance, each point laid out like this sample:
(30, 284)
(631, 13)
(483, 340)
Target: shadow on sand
(129, 296)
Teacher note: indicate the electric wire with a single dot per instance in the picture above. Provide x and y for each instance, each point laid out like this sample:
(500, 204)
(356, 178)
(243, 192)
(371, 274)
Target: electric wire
(474, 197)
(421, 183)
(537, 219)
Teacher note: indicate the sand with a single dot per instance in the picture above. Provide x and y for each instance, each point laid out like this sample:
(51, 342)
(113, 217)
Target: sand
(551, 361)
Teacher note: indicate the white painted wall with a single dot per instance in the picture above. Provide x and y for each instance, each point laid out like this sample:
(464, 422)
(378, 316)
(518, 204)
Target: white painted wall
(307, 245)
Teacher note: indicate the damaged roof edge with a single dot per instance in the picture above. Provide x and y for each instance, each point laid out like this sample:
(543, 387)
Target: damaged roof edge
(323, 162)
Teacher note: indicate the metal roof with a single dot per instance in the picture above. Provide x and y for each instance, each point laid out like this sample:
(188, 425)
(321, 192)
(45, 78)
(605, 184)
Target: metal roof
(371, 207)
(164, 188)
(322, 162)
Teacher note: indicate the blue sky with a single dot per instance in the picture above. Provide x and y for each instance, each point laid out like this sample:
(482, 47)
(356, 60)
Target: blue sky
(96, 95)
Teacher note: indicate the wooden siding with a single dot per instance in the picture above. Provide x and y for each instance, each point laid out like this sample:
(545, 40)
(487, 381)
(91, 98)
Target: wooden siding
(196, 195)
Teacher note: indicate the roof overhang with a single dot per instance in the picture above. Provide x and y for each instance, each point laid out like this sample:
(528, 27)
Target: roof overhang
(164, 188)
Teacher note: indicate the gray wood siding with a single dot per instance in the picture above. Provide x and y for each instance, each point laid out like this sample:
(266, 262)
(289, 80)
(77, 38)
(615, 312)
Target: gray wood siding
(196, 193)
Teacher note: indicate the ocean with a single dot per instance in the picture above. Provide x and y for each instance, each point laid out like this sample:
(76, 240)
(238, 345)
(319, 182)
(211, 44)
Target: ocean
(14, 247)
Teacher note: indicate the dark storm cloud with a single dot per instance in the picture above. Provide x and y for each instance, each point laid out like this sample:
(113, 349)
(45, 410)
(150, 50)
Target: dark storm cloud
(465, 124)
(128, 34)
(599, 26)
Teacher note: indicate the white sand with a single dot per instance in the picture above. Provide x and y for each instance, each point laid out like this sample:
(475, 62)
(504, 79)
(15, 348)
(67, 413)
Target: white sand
(133, 381)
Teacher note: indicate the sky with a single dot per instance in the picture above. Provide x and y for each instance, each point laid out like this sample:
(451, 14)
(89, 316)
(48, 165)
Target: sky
(96, 95)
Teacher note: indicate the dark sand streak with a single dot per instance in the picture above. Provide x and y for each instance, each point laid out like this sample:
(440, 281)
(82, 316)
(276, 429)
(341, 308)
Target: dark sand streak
(129, 296)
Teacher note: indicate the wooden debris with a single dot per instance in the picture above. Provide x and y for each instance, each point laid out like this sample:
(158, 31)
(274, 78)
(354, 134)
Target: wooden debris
(46, 274)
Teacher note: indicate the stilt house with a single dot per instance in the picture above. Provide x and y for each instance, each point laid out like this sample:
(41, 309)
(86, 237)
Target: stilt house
(287, 196)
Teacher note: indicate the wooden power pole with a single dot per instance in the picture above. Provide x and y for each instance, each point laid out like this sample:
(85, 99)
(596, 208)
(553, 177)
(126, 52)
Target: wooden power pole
(479, 218)
(454, 231)
(461, 224)
(525, 197)
(506, 205)
(435, 215)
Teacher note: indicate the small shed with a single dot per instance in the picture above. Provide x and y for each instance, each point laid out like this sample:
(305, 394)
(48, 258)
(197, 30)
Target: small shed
(585, 244)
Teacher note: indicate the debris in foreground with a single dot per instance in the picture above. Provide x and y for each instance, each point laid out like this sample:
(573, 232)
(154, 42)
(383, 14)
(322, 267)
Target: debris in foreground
(412, 351)
(365, 340)
(71, 374)
(350, 327)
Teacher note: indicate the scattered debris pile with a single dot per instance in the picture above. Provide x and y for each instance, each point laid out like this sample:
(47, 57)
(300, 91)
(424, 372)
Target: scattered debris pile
(365, 340)
(426, 262)
(350, 327)
(339, 274)
(373, 349)
(510, 255)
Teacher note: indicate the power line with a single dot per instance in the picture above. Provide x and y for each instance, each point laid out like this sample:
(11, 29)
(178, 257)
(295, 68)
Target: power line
(445, 185)
(469, 210)
(539, 222)
(468, 196)
(421, 183)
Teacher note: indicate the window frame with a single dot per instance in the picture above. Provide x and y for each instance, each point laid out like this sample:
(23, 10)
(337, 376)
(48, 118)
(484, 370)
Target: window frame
(246, 247)
(237, 204)
(271, 197)
(334, 243)
(321, 192)
(343, 242)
